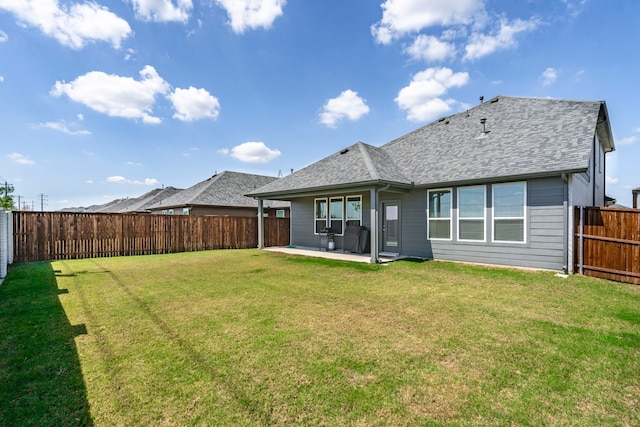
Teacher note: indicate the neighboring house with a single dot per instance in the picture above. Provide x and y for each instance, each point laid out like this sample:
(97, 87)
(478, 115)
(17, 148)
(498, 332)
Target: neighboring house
(223, 195)
(494, 184)
(139, 204)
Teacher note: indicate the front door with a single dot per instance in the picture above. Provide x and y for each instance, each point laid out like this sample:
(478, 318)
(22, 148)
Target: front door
(391, 227)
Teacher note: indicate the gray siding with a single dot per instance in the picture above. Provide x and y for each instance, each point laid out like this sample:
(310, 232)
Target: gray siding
(545, 228)
(302, 220)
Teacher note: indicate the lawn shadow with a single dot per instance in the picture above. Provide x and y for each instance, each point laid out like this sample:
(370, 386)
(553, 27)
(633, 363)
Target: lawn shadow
(42, 382)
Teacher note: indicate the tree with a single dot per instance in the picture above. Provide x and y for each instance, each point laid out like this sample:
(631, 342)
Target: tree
(6, 199)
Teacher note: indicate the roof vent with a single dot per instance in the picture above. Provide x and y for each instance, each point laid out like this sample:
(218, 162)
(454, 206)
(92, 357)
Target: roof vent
(494, 100)
(481, 99)
(346, 150)
(484, 132)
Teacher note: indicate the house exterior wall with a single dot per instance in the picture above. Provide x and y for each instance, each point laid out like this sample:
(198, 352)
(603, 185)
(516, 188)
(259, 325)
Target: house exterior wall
(302, 218)
(545, 226)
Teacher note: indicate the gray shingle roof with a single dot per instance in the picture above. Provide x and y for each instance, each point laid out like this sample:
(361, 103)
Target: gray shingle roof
(524, 137)
(224, 189)
(357, 164)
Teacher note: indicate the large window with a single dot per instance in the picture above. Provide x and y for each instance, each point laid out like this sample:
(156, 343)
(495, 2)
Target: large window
(354, 210)
(509, 207)
(439, 214)
(471, 213)
(336, 214)
(320, 214)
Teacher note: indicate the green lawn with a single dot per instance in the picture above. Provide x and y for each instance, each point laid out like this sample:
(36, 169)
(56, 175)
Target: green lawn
(247, 337)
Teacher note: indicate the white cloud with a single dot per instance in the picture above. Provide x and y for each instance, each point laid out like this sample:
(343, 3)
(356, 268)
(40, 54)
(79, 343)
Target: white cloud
(223, 151)
(627, 141)
(1, 79)
(162, 10)
(422, 99)
(89, 181)
(549, 76)
(62, 126)
(504, 38)
(254, 152)
(430, 48)
(347, 105)
(400, 17)
(610, 180)
(251, 14)
(575, 7)
(117, 96)
(117, 179)
(194, 104)
(3, 36)
(134, 164)
(21, 159)
(74, 25)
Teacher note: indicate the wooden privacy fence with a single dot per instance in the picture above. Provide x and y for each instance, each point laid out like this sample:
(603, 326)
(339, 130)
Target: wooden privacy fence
(45, 236)
(608, 243)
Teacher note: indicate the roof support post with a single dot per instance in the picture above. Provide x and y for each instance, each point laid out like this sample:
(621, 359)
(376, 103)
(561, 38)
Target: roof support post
(375, 226)
(260, 223)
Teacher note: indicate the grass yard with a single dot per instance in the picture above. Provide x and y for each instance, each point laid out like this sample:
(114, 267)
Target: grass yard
(247, 337)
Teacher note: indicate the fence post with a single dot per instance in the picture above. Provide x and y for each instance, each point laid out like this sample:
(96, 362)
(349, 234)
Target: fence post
(10, 238)
(581, 259)
(4, 238)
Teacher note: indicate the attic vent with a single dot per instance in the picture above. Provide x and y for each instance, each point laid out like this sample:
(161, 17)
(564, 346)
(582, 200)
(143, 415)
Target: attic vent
(346, 150)
(484, 132)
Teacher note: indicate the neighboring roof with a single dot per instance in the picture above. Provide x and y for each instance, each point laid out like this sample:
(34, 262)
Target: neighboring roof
(521, 137)
(226, 189)
(134, 204)
(142, 203)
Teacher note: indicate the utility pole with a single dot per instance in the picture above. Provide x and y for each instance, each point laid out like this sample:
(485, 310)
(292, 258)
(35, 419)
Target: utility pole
(19, 197)
(42, 201)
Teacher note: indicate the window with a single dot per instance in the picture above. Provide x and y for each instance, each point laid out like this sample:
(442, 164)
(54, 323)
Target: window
(354, 210)
(509, 201)
(320, 214)
(185, 211)
(336, 214)
(439, 214)
(471, 213)
(170, 211)
(280, 213)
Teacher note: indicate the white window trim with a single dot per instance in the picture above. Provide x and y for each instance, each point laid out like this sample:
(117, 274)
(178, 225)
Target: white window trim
(523, 217)
(280, 213)
(483, 218)
(343, 213)
(353, 196)
(450, 219)
(316, 219)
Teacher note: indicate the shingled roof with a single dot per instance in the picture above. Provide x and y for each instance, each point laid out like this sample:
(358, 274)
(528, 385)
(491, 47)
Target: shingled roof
(503, 138)
(226, 189)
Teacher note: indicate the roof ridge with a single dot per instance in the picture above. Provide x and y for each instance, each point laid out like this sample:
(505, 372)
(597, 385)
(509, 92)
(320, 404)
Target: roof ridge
(367, 160)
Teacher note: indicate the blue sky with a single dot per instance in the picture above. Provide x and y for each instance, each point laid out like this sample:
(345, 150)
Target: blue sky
(107, 99)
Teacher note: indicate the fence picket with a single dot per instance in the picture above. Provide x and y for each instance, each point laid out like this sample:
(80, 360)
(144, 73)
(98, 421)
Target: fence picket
(609, 244)
(46, 236)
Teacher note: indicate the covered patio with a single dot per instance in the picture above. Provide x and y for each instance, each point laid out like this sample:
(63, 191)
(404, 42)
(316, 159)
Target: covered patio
(337, 254)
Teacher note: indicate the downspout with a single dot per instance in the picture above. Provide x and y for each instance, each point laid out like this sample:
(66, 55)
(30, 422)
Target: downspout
(567, 234)
(376, 227)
